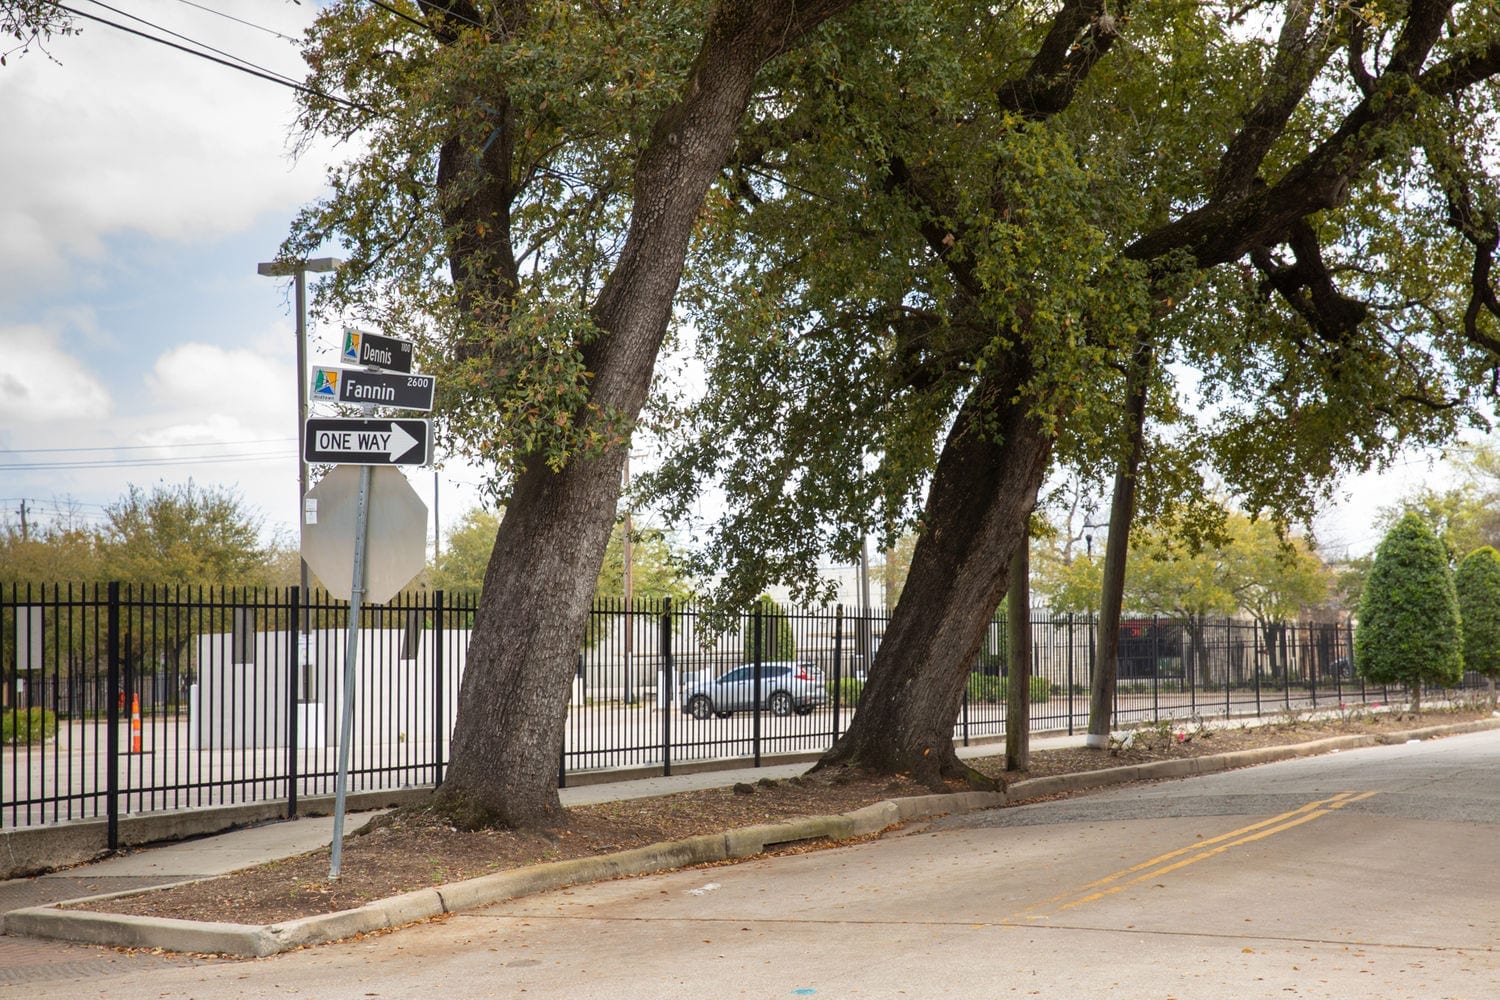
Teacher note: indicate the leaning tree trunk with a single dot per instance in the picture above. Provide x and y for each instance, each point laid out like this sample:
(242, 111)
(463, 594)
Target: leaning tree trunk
(1018, 652)
(1117, 551)
(982, 494)
(533, 611)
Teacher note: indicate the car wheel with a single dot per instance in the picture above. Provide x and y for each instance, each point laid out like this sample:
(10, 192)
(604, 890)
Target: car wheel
(723, 715)
(804, 709)
(780, 703)
(700, 707)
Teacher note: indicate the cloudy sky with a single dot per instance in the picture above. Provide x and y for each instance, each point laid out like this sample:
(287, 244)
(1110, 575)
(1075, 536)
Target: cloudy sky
(142, 186)
(137, 343)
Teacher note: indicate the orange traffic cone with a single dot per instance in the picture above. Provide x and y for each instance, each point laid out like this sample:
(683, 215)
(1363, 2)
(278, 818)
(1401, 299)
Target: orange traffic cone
(135, 724)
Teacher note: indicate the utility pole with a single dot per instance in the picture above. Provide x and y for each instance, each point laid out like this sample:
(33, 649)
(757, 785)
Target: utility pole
(23, 521)
(298, 271)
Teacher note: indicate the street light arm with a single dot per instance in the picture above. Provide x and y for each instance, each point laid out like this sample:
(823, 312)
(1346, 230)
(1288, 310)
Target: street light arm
(287, 268)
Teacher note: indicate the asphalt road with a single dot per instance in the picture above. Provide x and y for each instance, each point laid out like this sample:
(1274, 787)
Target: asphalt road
(1367, 873)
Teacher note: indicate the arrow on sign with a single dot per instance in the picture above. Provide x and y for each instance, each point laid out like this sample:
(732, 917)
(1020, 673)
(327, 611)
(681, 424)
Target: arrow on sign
(395, 444)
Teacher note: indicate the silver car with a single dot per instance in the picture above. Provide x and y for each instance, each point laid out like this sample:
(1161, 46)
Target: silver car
(785, 687)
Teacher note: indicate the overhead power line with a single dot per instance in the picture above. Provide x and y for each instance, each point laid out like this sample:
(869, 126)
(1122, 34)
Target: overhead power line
(193, 41)
(144, 447)
(146, 463)
(230, 17)
(233, 62)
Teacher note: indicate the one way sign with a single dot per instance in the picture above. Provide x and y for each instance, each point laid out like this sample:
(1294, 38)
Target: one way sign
(360, 441)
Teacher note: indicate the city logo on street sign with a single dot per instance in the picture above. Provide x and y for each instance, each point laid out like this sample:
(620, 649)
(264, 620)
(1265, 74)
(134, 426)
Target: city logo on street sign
(366, 441)
(371, 349)
(325, 385)
(345, 385)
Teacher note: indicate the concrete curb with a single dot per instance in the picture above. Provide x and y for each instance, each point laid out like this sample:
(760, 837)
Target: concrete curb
(257, 941)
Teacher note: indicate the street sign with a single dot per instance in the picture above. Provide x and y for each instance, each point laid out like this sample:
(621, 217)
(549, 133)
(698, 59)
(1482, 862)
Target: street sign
(397, 548)
(354, 385)
(371, 349)
(367, 441)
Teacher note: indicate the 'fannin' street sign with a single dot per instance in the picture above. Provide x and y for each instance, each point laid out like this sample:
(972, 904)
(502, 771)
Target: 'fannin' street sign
(352, 385)
(371, 349)
(363, 441)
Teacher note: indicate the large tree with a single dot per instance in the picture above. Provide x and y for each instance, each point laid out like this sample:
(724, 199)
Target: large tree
(528, 178)
(936, 291)
(185, 534)
(61, 548)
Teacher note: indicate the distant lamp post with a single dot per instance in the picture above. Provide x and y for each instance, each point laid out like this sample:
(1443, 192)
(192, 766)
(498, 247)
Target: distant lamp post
(298, 272)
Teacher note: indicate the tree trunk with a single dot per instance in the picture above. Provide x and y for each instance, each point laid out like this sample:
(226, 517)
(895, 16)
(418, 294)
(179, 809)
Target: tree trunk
(1018, 634)
(533, 611)
(1116, 551)
(1416, 696)
(983, 491)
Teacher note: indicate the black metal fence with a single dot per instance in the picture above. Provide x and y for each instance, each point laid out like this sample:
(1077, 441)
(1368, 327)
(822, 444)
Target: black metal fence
(118, 700)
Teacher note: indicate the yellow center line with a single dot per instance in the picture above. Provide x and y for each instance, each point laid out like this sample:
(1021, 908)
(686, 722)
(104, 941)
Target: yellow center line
(1184, 856)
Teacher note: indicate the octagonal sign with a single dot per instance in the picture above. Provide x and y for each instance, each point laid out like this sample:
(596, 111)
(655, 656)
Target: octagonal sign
(396, 539)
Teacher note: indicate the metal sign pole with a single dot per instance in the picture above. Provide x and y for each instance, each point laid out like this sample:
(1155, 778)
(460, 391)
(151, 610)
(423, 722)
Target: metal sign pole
(351, 652)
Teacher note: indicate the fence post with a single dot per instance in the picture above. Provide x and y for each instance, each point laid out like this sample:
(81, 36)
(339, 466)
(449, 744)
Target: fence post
(1094, 655)
(1303, 654)
(1156, 669)
(1255, 664)
(1070, 673)
(667, 695)
(1228, 662)
(1192, 669)
(965, 705)
(293, 672)
(439, 727)
(112, 719)
(838, 663)
(755, 646)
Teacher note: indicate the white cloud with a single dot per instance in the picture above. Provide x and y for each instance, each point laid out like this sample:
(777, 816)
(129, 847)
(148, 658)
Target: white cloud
(41, 382)
(128, 136)
(208, 388)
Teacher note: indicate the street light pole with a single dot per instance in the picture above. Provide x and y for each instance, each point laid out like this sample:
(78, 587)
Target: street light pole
(298, 272)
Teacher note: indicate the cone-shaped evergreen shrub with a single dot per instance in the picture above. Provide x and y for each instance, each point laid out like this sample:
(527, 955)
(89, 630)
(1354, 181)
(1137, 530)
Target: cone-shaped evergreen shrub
(776, 639)
(1408, 629)
(1478, 584)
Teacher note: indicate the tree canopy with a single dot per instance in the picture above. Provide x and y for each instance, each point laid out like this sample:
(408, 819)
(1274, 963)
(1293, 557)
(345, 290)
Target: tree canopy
(940, 247)
(184, 534)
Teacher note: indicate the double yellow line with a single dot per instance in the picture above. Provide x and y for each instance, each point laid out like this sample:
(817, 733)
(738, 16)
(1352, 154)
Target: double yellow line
(1182, 857)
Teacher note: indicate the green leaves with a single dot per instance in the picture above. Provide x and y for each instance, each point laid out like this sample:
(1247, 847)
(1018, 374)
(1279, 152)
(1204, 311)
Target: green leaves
(182, 535)
(484, 202)
(1408, 630)
(1478, 585)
